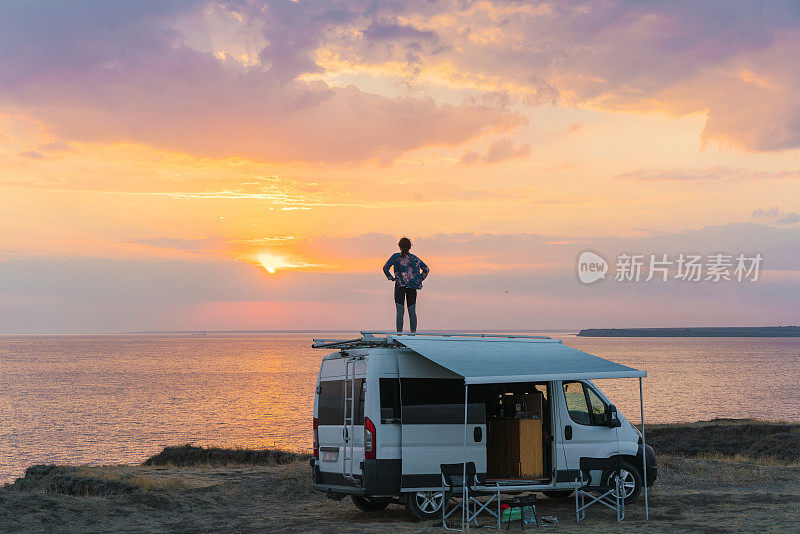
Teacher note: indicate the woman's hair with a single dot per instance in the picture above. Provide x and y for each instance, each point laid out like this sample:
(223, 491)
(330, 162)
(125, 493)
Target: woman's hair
(405, 245)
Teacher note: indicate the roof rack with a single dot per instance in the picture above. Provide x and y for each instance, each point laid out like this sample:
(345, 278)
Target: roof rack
(348, 343)
(375, 338)
(452, 334)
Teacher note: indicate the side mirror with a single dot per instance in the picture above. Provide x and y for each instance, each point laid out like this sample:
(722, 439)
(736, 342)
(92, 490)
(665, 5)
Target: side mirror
(611, 417)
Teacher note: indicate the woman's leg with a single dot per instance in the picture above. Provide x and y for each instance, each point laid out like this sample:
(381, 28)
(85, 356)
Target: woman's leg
(412, 318)
(411, 298)
(399, 318)
(399, 296)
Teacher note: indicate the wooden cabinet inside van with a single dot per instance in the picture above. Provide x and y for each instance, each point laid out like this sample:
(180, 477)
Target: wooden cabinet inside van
(514, 448)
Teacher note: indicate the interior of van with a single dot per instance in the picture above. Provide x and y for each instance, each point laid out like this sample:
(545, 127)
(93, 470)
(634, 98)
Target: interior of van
(518, 432)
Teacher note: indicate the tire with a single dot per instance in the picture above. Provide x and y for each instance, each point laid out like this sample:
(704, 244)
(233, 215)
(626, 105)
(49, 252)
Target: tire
(631, 481)
(558, 494)
(366, 504)
(425, 505)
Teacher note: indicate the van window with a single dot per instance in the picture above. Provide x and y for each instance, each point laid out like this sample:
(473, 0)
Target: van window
(437, 401)
(596, 406)
(331, 402)
(584, 405)
(576, 403)
(390, 400)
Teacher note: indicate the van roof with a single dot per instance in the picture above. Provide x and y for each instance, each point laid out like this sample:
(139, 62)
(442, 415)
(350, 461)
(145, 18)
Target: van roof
(495, 358)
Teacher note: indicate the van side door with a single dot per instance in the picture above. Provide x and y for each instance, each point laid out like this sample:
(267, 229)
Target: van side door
(583, 431)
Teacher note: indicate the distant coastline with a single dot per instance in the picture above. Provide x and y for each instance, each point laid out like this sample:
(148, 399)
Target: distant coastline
(704, 331)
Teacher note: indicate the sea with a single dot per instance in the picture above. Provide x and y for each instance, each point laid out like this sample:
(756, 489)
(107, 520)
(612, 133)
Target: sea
(111, 399)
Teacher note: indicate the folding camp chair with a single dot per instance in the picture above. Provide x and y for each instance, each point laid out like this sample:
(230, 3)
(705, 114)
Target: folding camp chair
(462, 493)
(606, 490)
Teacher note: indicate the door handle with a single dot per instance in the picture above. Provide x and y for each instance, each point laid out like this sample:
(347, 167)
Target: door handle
(344, 433)
(568, 432)
(477, 434)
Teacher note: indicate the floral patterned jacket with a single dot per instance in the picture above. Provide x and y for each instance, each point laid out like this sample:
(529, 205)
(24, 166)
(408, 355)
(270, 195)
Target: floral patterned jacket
(409, 270)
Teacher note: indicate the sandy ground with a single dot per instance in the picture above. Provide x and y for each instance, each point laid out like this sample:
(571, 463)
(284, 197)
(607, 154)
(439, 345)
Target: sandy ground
(700, 494)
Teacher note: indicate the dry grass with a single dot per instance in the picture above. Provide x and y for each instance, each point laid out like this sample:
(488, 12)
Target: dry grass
(691, 495)
(742, 459)
(745, 438)
(150, 483)
(145, 482)
(707, 492)
(191, 456)
(102, 472)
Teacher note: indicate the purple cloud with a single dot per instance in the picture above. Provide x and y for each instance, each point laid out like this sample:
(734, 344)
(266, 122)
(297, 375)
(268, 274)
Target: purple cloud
(125, 71)
(736, 61)
(112, 72)
(769, 213)
(789, 218)
(779, 217)
(381, 31)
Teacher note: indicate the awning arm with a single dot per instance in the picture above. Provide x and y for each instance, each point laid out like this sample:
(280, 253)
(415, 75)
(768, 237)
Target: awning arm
(644, 452)
(464, 473)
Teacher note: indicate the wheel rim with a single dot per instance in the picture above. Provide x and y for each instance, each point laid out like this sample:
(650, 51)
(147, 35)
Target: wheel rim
(429, 501)
(628, 483)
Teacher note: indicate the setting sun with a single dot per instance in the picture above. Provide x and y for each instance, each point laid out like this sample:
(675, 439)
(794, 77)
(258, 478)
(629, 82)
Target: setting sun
(272, 262)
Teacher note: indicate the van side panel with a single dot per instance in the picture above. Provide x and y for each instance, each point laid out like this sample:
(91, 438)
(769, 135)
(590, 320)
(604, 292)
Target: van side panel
(433, 430)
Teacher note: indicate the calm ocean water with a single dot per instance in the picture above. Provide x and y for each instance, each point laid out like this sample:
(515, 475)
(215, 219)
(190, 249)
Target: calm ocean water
(121, 398)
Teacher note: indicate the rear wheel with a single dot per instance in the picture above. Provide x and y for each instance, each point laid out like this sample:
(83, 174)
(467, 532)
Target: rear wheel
(631, 481)
(558, 494)
(365, 504)
(425, 505)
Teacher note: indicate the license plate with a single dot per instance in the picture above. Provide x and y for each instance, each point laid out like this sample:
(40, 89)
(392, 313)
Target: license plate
(330, 456)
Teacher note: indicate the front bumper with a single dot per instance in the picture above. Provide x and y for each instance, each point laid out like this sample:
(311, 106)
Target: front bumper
(652, 468)
(652, 473)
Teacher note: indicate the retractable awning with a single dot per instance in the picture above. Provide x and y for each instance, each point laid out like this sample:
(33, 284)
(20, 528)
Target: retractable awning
(503, 360)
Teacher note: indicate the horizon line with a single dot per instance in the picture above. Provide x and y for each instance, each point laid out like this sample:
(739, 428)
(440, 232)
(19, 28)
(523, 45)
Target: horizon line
(278, 331)
(356, 330)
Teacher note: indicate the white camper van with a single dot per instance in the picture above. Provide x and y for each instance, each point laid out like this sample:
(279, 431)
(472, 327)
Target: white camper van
(390, 408)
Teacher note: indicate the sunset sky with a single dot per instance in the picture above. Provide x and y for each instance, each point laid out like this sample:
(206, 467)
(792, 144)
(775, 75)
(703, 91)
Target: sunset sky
(171, 165)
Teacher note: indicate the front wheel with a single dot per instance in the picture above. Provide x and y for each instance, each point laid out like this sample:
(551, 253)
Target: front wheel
(369, 505)
(425, 505)
(631, 481)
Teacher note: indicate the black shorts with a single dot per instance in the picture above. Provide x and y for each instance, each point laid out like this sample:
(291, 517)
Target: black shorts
(405, 293)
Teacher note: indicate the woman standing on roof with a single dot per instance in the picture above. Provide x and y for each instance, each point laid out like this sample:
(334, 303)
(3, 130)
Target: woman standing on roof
(409, 272)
